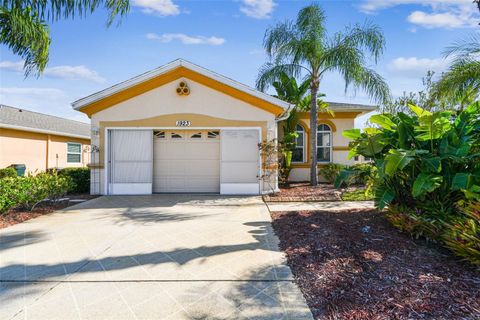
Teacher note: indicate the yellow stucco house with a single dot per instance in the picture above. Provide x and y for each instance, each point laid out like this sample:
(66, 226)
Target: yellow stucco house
(183, 128)
(41, 141)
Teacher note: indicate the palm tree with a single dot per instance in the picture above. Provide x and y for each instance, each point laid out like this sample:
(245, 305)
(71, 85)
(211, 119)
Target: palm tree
(24, 28)
(302, 47)
(460, 85)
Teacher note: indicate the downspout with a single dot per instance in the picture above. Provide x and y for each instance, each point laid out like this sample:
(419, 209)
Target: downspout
(285, 115)
(47, 152)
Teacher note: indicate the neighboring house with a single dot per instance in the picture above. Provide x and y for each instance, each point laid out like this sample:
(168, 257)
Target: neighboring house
(183, 128)
(42, 141)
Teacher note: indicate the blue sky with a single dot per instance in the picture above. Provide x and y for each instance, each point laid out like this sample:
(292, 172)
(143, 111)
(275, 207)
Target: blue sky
(226, 37)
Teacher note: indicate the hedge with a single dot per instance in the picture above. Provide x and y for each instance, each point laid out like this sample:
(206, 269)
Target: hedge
(80, 178)
(27, 192)
(8, 173)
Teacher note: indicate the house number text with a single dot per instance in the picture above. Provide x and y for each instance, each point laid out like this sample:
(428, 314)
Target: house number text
(183, 123)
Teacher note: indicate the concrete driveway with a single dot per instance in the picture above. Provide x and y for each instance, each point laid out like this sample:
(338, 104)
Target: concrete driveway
(148, 257)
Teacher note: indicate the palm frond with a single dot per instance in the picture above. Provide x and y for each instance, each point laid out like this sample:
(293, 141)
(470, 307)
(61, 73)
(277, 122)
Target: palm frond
(277, 37)
(27, 36)
(460, 84)
(367, 36)
(368, 81)
(311, 25)
(464, 48)
(270, 72)
(54, 10)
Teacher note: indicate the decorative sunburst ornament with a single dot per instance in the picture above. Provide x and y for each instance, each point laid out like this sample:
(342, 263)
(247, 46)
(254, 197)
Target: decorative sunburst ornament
(182, 89)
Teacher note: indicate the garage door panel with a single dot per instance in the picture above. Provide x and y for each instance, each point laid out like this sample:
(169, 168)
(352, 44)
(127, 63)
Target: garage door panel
(238, 172)
(187, 164)
(202, 168)
(239, 161)
(242, 145)
(130, 161)
(141, 171)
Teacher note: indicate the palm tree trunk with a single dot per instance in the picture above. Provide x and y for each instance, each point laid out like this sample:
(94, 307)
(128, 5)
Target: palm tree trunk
(313, 133)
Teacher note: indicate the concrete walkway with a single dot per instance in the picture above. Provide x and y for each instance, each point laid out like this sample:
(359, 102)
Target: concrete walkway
(325, 206)
(148, 257)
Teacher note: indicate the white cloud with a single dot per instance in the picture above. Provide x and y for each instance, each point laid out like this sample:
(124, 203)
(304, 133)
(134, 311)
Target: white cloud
(12, 65)
(159, 7)
(74, 73)
(371, 6)
(186, 39)
(61, 72)
(443, 13)
(438, 20)
(258, 9)
(417, 67)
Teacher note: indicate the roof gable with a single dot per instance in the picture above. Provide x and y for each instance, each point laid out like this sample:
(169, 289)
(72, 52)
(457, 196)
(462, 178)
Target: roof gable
(171, 72)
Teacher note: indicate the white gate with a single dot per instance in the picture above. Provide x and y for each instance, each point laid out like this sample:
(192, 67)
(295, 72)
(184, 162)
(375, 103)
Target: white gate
(130, 161)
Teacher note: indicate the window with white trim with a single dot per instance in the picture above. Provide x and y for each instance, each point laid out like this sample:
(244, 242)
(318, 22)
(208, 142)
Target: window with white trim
(324, 143)
(298, 154)
(74, 152)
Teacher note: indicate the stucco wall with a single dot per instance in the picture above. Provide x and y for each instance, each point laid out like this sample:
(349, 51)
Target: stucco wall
(31, 149)
(162, 106)
(341, 122)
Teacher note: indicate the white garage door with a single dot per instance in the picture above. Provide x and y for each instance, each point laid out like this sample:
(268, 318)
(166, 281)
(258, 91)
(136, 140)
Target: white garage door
(130, 161)
(240, 161)
(186, 161)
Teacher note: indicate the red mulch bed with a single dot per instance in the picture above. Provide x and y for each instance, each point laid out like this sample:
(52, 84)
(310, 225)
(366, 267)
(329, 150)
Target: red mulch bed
(348, 272)
(303, 191)
(15, 216)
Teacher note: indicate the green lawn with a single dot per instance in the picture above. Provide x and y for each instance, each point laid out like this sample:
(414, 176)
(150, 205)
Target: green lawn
(356, 195)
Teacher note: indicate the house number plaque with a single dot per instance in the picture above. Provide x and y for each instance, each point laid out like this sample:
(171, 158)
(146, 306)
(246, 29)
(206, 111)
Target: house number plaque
(183, 123)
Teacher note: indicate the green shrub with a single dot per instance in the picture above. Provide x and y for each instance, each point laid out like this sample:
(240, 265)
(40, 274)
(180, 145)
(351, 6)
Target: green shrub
(330, 171)
(428, 163)
(8, 194)
(80, 178)
(8, 173)
(462, 234)
(409, 221)
(27, 192)
(357, 195)
(363, 173)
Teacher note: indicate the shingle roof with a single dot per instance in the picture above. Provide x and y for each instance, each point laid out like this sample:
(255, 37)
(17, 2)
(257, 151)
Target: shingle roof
(337, 106)
(11, 117)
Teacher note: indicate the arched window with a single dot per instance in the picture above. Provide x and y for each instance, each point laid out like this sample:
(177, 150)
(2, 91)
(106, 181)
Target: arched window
(324, 143)
(299, 151)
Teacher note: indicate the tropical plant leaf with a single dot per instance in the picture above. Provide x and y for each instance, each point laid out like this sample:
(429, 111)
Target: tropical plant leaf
(433, 126)
(383, 121)
(419, 111)
(383, 196)
(403, 136)
(446, 149)
(433, 164)
(352, 134)
(352, 153)
(343, 177)
(425, 183)
(397, 160)
(462, 181)
(372, 131)
(372, 145)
